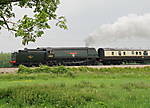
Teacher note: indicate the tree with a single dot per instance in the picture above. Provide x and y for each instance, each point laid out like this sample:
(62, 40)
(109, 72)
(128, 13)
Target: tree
(30, 28)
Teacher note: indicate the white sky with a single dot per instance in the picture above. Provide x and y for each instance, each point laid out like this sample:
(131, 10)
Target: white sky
(84, 16)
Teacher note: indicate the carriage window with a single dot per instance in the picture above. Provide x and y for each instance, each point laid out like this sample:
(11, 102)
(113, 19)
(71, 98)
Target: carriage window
(124, 53)
(140, 53)
(132, 52)
(145, 53)
(112, 53)
(136, 53)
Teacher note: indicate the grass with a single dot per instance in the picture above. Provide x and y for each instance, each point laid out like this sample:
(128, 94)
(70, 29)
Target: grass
(83, 88)
(4, 60)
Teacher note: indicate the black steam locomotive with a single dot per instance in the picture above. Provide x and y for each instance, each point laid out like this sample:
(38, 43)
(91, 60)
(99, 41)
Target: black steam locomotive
(78, 56)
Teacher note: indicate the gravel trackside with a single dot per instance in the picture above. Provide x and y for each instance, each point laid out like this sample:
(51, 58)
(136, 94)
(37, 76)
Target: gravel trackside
(119, 66)
(8, 70)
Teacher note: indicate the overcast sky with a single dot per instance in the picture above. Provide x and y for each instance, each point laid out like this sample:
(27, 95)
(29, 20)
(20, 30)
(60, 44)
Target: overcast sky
(83, 16)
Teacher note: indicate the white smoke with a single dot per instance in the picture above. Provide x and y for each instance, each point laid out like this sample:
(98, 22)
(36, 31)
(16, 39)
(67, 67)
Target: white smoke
(132, 31)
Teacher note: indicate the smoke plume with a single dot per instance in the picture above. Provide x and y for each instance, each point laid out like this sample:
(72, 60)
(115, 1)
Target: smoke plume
(132, 31)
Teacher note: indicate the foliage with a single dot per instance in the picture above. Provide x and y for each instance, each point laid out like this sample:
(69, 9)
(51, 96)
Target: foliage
(43, 69)
(84, 69)
(46, 69)
(30, 28)
(4, 60)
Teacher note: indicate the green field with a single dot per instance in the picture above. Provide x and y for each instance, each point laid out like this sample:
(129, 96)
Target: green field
(4, 60)
(61, 87)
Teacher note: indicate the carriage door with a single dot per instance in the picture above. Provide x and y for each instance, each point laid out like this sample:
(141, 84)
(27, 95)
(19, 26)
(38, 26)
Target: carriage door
(119, 53)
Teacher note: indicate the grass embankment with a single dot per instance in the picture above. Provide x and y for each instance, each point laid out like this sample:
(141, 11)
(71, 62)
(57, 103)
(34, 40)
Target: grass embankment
(60, 87)
(4, 60)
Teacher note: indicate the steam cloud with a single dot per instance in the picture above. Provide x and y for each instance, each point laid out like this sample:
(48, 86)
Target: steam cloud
(132, 31)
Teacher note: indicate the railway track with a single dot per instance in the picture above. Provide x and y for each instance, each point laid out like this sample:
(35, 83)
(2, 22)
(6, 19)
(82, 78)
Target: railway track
(14, 70)
(121, 66)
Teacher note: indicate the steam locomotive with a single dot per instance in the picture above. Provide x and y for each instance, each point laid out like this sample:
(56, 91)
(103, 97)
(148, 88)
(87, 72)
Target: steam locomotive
(78, 56)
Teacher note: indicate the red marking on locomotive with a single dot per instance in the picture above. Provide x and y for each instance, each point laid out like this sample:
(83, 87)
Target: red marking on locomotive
(12, 61)
(72, 53)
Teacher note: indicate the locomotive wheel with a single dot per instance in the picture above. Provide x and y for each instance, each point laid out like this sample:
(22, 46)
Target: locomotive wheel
(59, 64)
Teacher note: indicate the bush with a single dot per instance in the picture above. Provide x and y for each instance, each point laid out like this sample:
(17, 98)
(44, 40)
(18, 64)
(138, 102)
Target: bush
(43, 69)
(4, 60)
(64, 70)
(60, 70)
